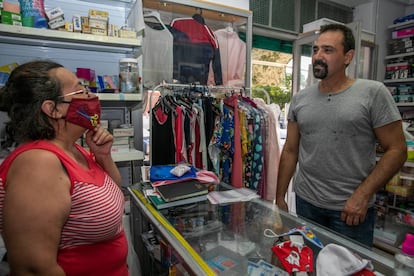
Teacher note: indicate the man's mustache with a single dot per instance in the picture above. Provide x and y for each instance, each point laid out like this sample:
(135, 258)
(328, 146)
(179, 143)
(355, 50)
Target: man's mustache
(320, 62)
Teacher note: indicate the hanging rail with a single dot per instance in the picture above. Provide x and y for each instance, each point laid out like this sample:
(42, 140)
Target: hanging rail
(210, 88)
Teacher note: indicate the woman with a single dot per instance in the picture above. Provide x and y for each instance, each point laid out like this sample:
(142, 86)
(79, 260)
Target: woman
(60, 206)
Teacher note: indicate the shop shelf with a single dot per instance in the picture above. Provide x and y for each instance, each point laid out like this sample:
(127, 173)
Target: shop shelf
(69, 40)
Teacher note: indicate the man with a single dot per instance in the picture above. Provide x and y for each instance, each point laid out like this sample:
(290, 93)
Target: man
(332, 129)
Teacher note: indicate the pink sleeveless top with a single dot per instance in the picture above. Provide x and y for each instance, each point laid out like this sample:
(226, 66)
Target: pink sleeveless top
(93, 241)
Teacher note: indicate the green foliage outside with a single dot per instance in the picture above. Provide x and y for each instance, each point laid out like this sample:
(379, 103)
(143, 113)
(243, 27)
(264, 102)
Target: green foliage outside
(278, 95)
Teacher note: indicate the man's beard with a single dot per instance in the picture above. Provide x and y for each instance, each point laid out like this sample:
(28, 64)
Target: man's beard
(320, 69)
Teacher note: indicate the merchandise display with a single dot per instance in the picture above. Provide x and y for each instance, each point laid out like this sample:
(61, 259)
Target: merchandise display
(229, 239)
(404, 260)
(33, 11)
(394, 206)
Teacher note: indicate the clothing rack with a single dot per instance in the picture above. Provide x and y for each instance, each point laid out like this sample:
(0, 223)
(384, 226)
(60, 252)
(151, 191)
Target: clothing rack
(210, 88)
(214, 88)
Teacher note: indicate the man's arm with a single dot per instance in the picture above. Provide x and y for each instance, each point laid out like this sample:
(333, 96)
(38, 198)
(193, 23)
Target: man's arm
(287, 165)
(392, 140)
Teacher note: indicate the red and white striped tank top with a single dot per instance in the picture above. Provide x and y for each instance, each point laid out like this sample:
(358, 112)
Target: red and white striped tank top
(95, 219)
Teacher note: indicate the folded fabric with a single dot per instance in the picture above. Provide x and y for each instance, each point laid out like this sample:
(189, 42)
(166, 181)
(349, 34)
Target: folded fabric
(334, 259)
(163, 172)
(202, 176)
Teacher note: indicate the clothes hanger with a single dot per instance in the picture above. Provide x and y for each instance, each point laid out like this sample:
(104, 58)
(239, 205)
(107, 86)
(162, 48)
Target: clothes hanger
(230, 28)
(156, 15)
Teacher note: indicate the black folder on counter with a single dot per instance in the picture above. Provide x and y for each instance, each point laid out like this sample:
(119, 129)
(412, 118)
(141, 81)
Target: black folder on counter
(181, 190)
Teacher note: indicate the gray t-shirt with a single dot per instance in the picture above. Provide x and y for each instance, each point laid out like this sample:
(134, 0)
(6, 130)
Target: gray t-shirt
(337, 139)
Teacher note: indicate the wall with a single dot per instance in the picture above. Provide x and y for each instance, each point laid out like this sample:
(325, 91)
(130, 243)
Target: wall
(241, 4)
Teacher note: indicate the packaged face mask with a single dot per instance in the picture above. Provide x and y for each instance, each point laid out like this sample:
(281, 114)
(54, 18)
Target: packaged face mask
(294, 257)
(85, 112)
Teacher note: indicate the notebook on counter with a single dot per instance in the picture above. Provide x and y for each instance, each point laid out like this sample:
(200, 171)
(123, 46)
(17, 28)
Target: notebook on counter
(160, 204)
(182, 190)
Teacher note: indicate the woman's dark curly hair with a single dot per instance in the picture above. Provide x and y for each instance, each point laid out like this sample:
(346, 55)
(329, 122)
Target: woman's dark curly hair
(27, 87)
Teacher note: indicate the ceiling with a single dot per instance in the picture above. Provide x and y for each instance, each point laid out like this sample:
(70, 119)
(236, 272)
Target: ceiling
(354, 3)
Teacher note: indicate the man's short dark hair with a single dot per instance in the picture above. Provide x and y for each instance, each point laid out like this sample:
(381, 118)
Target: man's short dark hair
(349, 40)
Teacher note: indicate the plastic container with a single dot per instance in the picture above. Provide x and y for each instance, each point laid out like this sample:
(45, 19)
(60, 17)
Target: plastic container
(128, 75)
(404, 261)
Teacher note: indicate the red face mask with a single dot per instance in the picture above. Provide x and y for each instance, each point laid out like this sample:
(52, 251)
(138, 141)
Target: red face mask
(84, 112)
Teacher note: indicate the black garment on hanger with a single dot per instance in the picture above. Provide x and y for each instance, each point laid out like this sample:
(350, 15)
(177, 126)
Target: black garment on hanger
(197, 17)
(162, 144)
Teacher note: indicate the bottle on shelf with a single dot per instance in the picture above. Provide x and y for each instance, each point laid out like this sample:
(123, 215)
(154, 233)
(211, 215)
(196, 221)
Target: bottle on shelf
(404, 260)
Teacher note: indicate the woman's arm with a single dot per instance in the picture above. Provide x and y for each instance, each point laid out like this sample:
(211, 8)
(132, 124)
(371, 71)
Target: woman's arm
(36, 206)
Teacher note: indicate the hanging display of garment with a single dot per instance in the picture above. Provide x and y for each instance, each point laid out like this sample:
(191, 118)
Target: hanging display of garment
(157, 48)
(212, 136)
(232, 57)
(195, 47)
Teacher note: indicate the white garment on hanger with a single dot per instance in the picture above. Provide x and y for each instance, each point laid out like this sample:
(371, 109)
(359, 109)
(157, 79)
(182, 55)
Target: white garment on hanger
(157, 55)
(232, 57)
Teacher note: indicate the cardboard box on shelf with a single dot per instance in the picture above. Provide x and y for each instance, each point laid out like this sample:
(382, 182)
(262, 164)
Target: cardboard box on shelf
(11, 18)
(54, 13)
(127, 33)
(97, 31)
(98, 24)
(97, 14)
(56, 23)
(77, 26)
(116, 132)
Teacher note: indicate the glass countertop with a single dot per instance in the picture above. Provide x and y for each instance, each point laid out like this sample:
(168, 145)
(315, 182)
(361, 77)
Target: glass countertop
(236, 231)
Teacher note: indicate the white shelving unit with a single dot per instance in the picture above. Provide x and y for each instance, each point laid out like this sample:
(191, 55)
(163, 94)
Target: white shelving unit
(67, 40)
(73, 50)
(128, 97)
(390, 226)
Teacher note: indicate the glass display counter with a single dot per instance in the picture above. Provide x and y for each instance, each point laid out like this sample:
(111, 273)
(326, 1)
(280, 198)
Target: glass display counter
(191, 238)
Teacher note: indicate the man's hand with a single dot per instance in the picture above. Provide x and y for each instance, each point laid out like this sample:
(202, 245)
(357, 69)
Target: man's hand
(355, 209)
